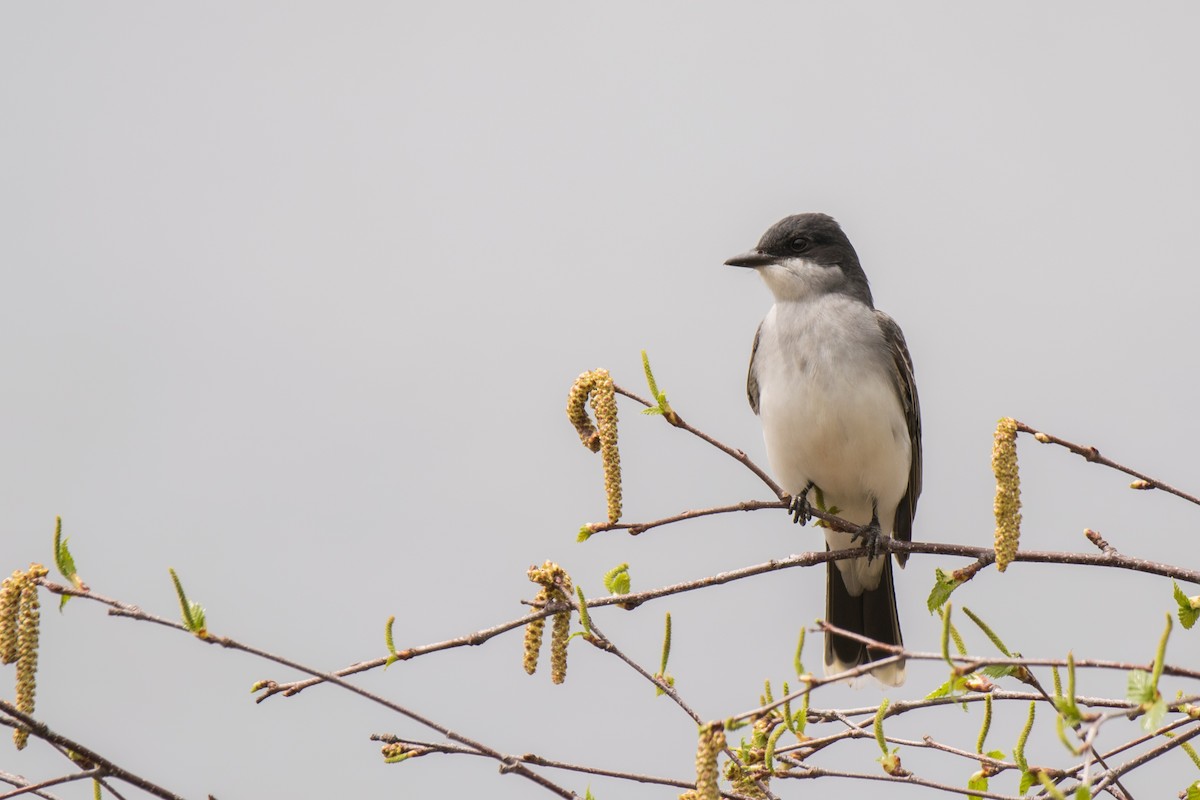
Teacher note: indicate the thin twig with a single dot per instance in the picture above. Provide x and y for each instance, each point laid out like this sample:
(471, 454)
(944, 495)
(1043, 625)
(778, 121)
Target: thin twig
(35, 788)
(635, 528)
(539, 761)
(24, 785)
(1145, 758)
(42, 731)
(809, 771)
(739, 455)
(1089, 453)
(133, 612)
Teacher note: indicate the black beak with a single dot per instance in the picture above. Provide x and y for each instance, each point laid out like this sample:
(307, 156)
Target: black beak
(753, 259)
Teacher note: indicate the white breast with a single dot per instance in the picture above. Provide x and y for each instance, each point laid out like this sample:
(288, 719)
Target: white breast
(830, 410)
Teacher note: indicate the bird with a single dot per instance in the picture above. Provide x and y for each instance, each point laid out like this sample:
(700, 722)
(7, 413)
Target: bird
(831, 379)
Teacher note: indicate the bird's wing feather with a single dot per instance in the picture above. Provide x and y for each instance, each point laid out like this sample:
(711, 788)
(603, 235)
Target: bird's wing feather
(906, 388)
(752, 375)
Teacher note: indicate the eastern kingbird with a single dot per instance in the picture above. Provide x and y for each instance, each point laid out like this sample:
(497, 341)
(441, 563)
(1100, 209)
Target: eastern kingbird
(832, 380)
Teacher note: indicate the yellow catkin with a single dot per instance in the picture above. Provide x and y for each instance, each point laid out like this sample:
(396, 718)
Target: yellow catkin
(602, 436)
(552, 576)
(556, 588)
(577, 410)
(712, 742)
(1008, 492)
(559, 636)
(604, 401)
(10, 597)
(533, 636)
(27, 652)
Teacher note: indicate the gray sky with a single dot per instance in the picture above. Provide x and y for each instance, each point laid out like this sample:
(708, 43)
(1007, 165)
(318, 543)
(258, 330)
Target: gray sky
(293, 294)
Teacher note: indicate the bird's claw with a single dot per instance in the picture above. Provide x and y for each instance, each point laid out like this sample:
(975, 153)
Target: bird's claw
(872, 539)
(799, 508)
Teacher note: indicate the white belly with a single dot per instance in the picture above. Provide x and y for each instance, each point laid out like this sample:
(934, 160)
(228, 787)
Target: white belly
(831, 415)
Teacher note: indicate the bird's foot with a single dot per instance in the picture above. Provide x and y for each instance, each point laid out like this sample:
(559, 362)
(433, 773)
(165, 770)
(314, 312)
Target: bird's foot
(872, 539)
(799, 508)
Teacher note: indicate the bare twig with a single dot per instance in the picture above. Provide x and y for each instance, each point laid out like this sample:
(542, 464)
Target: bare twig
(24, 785)
(35, 788)
(1089, 453)
(810, 771)
(538, 761)
(635, 528)
(1145, 758)
(732, 452)
(42, 731)
(133, 612)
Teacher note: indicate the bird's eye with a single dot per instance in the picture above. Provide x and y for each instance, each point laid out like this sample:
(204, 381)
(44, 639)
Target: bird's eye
(799, 244)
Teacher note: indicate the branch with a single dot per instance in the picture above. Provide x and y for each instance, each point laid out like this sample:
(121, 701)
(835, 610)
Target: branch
(1151, 754)
(538, 761)
(508, 763)
(25, 786)
(42, 731)
(1089, 453)
(738, 455)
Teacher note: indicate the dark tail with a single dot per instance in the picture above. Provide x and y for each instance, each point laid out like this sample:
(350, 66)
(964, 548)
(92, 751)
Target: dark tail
(872, 614)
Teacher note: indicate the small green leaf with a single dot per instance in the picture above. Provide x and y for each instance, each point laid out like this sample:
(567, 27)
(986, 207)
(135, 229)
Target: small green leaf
(616, 580)
(660, 399)
(585, 533)
(1140, 690)
(1193, 791)
(649, 375)
(193, 613)
(1189, 608)
(1000, 670)
(941, 691)
(197, 615)
(999, 755)
(1154, 715)
(978, 783)
(1083, 793)
(1027, 780)
(1069, 710)
(663, 675)
(798, 664)
(65, 563)
(62, 554)
(943, 586)
(584, 618)
(390, 642)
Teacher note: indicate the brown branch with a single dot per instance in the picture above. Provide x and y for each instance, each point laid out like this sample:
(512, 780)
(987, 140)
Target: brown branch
(738, 455)
(42, 731)
(538, 761)
(635, 528)
(1144, 758)
(1089, 453)
(809, 771)
(25, 787)
(634, 599)
(119, 609)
